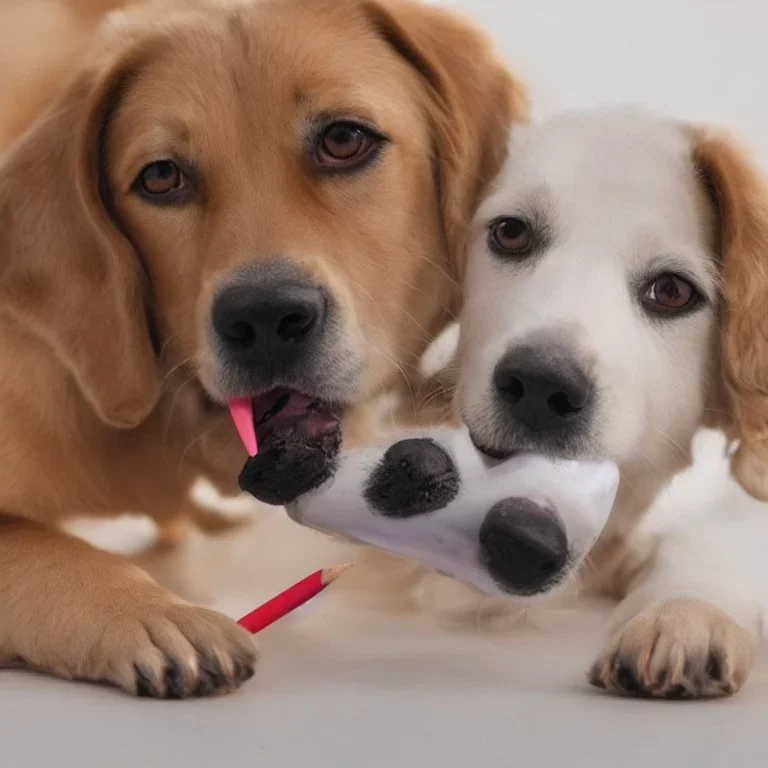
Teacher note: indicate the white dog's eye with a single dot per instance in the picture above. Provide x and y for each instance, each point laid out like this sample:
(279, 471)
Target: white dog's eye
(509, 236)
(669, 293)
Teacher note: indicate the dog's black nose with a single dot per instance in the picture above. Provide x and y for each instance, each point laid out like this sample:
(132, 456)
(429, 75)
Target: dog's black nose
(545, 390)
(523, 546)
(266, 322)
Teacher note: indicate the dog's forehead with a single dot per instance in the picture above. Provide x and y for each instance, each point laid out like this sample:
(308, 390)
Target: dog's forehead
(258, 41)
(255, 74)
(606, 159)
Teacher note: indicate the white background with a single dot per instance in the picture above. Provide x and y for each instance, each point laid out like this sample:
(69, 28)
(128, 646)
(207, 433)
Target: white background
(355, 691)
(693, 59)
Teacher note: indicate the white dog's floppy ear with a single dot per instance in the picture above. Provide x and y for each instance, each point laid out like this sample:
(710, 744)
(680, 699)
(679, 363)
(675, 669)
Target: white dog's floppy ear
(472, 97)
(67, 272)
(740, 194)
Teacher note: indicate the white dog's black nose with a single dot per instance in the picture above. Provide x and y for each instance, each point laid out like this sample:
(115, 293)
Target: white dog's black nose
(543, 389)
(269, 320)
(523, 546)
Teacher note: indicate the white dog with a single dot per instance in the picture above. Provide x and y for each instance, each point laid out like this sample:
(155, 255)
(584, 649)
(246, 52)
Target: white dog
(615, 302)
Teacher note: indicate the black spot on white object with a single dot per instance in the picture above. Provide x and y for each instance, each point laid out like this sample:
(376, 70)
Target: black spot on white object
(523, 545)
(414, 477)
(289, 462)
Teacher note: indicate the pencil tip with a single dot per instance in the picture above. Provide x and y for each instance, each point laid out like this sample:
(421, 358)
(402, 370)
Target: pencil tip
(331, 574)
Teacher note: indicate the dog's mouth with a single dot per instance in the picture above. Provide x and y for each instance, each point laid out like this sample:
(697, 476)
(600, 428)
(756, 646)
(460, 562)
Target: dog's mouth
(293, 440)
(261, 418)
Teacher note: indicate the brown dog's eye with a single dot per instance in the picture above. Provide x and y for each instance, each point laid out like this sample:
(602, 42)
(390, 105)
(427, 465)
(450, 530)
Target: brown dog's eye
(346, 145)
(510, 236)
(669, 293)
(161, 179)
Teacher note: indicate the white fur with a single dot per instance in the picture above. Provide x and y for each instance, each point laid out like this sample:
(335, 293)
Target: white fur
(618, 195)
(621, 199)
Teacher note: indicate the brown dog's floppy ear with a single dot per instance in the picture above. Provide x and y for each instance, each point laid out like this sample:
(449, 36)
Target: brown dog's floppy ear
(740, 193)
(67, 273)
(473, 97)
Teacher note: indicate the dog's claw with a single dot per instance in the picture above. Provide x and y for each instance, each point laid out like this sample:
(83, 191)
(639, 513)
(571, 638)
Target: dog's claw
(679, 649)
(144, 685)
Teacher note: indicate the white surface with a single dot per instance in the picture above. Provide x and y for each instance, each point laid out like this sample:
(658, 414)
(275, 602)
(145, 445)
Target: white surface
(339, 687)
(353, 679)
(408, 699)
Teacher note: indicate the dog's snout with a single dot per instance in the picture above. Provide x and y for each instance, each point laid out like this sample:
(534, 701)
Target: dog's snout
(275, 324)
(523, 546)
(266, 321)
(545, 391)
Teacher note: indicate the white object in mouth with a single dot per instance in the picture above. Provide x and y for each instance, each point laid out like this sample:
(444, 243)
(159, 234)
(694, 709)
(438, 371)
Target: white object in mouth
(581, 493)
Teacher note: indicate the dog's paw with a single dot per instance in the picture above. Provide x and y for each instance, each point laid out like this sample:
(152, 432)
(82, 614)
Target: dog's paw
(172, 650)
(679, 649)
(81, 613)
(155, 645)
(168, 650)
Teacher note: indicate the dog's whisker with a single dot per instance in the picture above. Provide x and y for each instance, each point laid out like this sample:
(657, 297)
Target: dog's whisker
(182, 364)
(681, 451)
(203, 434)
(174, 400)
(171, 338)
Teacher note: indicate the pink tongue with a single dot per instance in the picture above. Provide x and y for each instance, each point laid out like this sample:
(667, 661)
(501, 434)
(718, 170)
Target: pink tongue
(241, 410)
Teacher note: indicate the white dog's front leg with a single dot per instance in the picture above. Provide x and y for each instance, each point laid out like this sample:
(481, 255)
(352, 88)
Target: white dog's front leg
(688, 628)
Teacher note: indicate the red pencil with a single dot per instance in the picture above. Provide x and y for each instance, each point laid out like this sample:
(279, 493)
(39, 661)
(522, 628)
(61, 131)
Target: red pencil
(291, 599)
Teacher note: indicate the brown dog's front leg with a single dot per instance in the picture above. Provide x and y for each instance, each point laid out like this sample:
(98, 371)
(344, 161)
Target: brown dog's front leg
(76, 612)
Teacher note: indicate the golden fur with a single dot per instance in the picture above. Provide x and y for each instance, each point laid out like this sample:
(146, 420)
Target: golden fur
(104, 300)
(740, 195)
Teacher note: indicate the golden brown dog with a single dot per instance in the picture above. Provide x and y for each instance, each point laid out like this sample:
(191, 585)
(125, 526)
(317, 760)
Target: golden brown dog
(227, 198)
